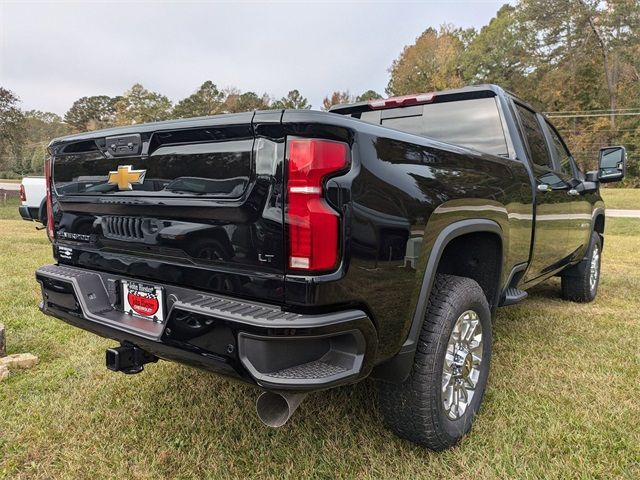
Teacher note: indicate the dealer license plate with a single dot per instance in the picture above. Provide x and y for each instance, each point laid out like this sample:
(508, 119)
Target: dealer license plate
(143, 300)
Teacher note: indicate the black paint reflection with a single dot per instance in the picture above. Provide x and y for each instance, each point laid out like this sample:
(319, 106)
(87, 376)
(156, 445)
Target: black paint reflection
(200, 219)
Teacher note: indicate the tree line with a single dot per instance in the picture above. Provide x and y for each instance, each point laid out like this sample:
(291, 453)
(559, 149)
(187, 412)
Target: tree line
(578, 60)
(24, 135)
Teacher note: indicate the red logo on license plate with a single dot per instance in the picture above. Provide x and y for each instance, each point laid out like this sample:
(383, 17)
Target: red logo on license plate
(143, 305)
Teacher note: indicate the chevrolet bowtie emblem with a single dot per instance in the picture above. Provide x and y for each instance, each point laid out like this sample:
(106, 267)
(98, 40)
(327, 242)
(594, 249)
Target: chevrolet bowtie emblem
(124, 177)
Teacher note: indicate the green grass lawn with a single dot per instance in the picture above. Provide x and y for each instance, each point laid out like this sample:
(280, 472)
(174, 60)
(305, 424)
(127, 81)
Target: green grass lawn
(10, 180)
(625, 198)
(9, 210)
(562, 402)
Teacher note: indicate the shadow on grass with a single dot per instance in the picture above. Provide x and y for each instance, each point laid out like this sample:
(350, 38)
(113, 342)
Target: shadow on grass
(546, 290)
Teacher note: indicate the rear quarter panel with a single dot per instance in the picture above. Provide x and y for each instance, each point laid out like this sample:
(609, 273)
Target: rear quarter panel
(402, 191)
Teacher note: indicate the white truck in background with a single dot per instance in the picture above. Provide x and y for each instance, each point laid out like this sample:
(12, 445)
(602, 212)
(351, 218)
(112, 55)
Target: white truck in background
(33, 192)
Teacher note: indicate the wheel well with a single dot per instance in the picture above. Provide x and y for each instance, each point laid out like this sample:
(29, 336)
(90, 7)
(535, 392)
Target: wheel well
(477, 256)
(598, 227)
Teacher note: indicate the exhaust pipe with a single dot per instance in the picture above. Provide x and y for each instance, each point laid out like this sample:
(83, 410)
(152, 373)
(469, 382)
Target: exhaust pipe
(275, 409)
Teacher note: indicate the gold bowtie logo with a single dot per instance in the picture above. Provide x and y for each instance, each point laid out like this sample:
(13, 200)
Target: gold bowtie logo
(124, 177)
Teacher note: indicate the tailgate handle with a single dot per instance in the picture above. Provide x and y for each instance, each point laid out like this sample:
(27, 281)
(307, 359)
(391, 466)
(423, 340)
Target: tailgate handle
(124, 146)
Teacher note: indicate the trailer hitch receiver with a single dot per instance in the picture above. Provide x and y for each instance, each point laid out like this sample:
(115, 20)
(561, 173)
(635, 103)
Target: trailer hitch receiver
(128, 358)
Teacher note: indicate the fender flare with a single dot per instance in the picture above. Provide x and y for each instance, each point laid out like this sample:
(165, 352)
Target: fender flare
(398, 368)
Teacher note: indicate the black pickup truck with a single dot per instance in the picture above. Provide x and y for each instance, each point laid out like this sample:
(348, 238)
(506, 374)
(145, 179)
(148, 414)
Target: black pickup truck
(302, 250)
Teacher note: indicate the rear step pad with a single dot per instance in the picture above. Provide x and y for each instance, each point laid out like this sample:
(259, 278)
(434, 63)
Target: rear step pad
(314, 369)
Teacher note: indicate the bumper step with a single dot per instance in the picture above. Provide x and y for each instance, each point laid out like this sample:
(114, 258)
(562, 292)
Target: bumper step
(302, 362)
(287, 351)
(315, 369)
(88, 296)
(96, 294)
(259, 315)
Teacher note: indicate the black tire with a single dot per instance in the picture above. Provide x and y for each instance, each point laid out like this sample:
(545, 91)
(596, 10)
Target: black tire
(576, 281)
(414, 409)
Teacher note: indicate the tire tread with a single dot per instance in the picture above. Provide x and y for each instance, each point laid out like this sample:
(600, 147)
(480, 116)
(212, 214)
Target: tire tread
(575, 281)
(410, 409)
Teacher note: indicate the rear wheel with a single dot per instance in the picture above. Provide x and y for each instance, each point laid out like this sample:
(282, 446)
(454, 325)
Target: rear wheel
(580, 282)
(435, 406)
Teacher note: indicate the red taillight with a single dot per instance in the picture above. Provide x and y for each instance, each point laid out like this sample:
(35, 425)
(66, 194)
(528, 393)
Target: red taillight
(404, 101)
(313, 225)
(47, 175)
(23, 195)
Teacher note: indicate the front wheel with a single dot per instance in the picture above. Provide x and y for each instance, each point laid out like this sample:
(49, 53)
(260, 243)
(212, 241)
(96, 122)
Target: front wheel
(580, 282)
(436, 405)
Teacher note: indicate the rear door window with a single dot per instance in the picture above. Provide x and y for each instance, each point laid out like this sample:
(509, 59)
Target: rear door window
(562, 154)
(535, 137)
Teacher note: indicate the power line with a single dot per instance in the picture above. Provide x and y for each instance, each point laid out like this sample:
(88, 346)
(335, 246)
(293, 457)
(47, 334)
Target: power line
(630, 114)
(590, 140)
(593, 110)
(595, 139)
(597, 130)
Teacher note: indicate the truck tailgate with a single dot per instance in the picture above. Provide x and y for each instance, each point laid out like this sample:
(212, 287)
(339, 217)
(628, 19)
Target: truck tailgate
(195, 203)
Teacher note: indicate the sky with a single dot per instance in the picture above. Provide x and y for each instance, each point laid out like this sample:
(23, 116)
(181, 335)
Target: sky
(52, 53)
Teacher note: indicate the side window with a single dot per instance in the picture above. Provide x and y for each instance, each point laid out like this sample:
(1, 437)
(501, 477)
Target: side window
(564, 157)
(535, 137)
(576, 169)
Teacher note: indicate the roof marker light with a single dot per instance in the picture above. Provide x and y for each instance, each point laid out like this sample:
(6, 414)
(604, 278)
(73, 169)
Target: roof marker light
(403, 101)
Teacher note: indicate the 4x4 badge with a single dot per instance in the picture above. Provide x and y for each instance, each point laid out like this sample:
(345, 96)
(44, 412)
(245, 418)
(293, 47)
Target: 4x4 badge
(124, 177)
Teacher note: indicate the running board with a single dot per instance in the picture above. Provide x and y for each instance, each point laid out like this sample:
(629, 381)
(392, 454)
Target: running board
(513, 295)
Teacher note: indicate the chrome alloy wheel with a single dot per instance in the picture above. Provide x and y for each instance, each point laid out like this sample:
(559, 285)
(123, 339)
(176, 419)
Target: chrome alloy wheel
(461, 369)
(594, 269)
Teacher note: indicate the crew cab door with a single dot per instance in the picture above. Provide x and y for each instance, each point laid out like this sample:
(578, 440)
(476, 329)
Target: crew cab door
(551, 249)
(579, 218)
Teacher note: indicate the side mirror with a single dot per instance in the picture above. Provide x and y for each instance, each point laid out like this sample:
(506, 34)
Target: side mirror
(591, 176)
(612, 164)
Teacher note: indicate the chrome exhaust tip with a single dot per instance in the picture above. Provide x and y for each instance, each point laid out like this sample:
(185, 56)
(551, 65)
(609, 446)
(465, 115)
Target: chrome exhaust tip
(275, 409)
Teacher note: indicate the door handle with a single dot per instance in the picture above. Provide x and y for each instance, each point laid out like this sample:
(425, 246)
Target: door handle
(573, 192)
